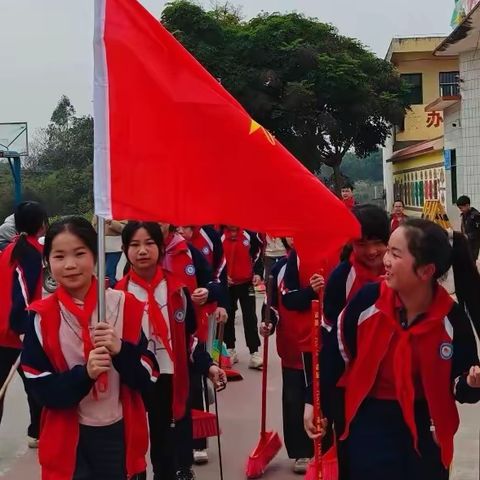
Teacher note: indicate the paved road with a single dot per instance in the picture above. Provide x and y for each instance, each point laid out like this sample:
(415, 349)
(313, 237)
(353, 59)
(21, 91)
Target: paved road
(240, 420)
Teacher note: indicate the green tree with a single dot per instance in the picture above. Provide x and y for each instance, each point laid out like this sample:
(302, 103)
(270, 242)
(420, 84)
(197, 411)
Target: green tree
(320, 93)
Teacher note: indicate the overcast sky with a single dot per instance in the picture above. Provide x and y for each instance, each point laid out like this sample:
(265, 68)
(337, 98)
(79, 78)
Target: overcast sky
(46, 45)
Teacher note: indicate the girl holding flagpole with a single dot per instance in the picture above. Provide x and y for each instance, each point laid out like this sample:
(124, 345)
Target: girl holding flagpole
(21, 272)
(169, 323)
(87, 375)
(405, 352)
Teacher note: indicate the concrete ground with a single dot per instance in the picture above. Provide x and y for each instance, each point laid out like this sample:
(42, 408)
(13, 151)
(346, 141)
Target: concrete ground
(239, 407)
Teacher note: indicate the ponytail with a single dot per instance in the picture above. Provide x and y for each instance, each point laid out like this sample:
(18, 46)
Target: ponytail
(30, 218)
(466, 278)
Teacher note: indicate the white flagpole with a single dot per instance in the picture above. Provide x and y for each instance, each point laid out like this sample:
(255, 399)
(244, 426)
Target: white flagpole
(101, 267)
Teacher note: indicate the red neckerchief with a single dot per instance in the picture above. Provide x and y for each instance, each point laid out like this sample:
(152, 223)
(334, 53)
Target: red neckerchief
(363, 274)
(349, 202)
(156, 318)
(174, 245)
(396, 221)
(439, 308)
(83, 315)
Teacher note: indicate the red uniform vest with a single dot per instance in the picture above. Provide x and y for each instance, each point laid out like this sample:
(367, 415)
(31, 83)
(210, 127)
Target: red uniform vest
(8, 338)
(288, 345)
(176, 315)
(60, 428)
(237, 253)
(426, 340)
(303, 320)
(181, 265)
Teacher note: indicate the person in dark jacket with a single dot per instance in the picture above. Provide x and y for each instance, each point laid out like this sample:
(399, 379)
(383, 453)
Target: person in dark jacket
(470, 224)
(206, 240)
(283, 323)
(405, 352)
(21, 271)
(363, 265)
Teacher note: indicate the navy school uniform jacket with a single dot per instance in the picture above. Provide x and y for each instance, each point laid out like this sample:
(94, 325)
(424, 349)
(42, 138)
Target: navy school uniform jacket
(60, 389)
(212, 274)
(21, 285)
(437, 351)
(283, 321)
(342, 285)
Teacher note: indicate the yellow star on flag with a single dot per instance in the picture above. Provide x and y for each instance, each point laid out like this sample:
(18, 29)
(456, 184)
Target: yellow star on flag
(254, 126)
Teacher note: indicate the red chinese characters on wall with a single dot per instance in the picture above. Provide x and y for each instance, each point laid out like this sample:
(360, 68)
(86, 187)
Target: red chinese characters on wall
(434, 119)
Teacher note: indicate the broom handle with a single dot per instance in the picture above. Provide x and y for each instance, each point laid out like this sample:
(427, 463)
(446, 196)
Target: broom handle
(265, 358)
(317, 309)
(221, 328)
(14, 368)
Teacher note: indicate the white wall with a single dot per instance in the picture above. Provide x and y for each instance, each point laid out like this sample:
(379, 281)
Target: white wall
(453, 140)
(388, 172)
(468, 162)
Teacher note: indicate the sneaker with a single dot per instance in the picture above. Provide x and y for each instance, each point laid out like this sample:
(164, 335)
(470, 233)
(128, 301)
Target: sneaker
(301, 466)
(232, 353)
(185, 474)
(256, 361)
(200, 457)
(32, 442)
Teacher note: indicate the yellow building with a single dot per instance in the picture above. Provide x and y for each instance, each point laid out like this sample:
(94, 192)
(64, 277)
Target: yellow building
(413, 155)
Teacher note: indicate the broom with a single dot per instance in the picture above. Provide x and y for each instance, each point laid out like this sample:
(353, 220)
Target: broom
(270, 443)
(205, 424)
(323, 467)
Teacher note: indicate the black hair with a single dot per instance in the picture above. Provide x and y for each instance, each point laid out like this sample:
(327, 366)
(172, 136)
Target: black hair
(374, 222)
(153, 229)
(429, 244)
(347, 184)
(399, 201)
(76, 225)
(30, 217)
(463, 201)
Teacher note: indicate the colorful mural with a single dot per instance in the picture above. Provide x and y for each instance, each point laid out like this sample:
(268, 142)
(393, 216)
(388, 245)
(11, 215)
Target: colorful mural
(414, 186)
(462, 9)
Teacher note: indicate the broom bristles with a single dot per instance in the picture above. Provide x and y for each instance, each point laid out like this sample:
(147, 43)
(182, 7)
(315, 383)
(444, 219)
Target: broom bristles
(329, 467)
(204, 425)
(263, 455)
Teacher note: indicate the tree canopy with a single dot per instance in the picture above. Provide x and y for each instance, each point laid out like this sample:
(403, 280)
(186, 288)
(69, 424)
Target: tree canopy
(320, 93)
(59, 168)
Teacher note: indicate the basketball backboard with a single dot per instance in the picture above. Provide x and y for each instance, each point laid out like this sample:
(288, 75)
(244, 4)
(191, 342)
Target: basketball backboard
(13, 138)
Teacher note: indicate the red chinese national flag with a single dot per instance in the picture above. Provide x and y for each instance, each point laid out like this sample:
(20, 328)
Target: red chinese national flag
(172, 145)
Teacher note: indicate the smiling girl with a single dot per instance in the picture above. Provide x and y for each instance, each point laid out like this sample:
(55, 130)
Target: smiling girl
(405, 352)
(91, 430)
(169, 323)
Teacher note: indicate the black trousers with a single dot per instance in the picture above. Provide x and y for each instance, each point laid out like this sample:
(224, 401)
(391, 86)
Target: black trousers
(8, 357)
(171, 446)
(101, 454)
(198, 402)
(297, 443)
(245, 293)
(380, 445)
